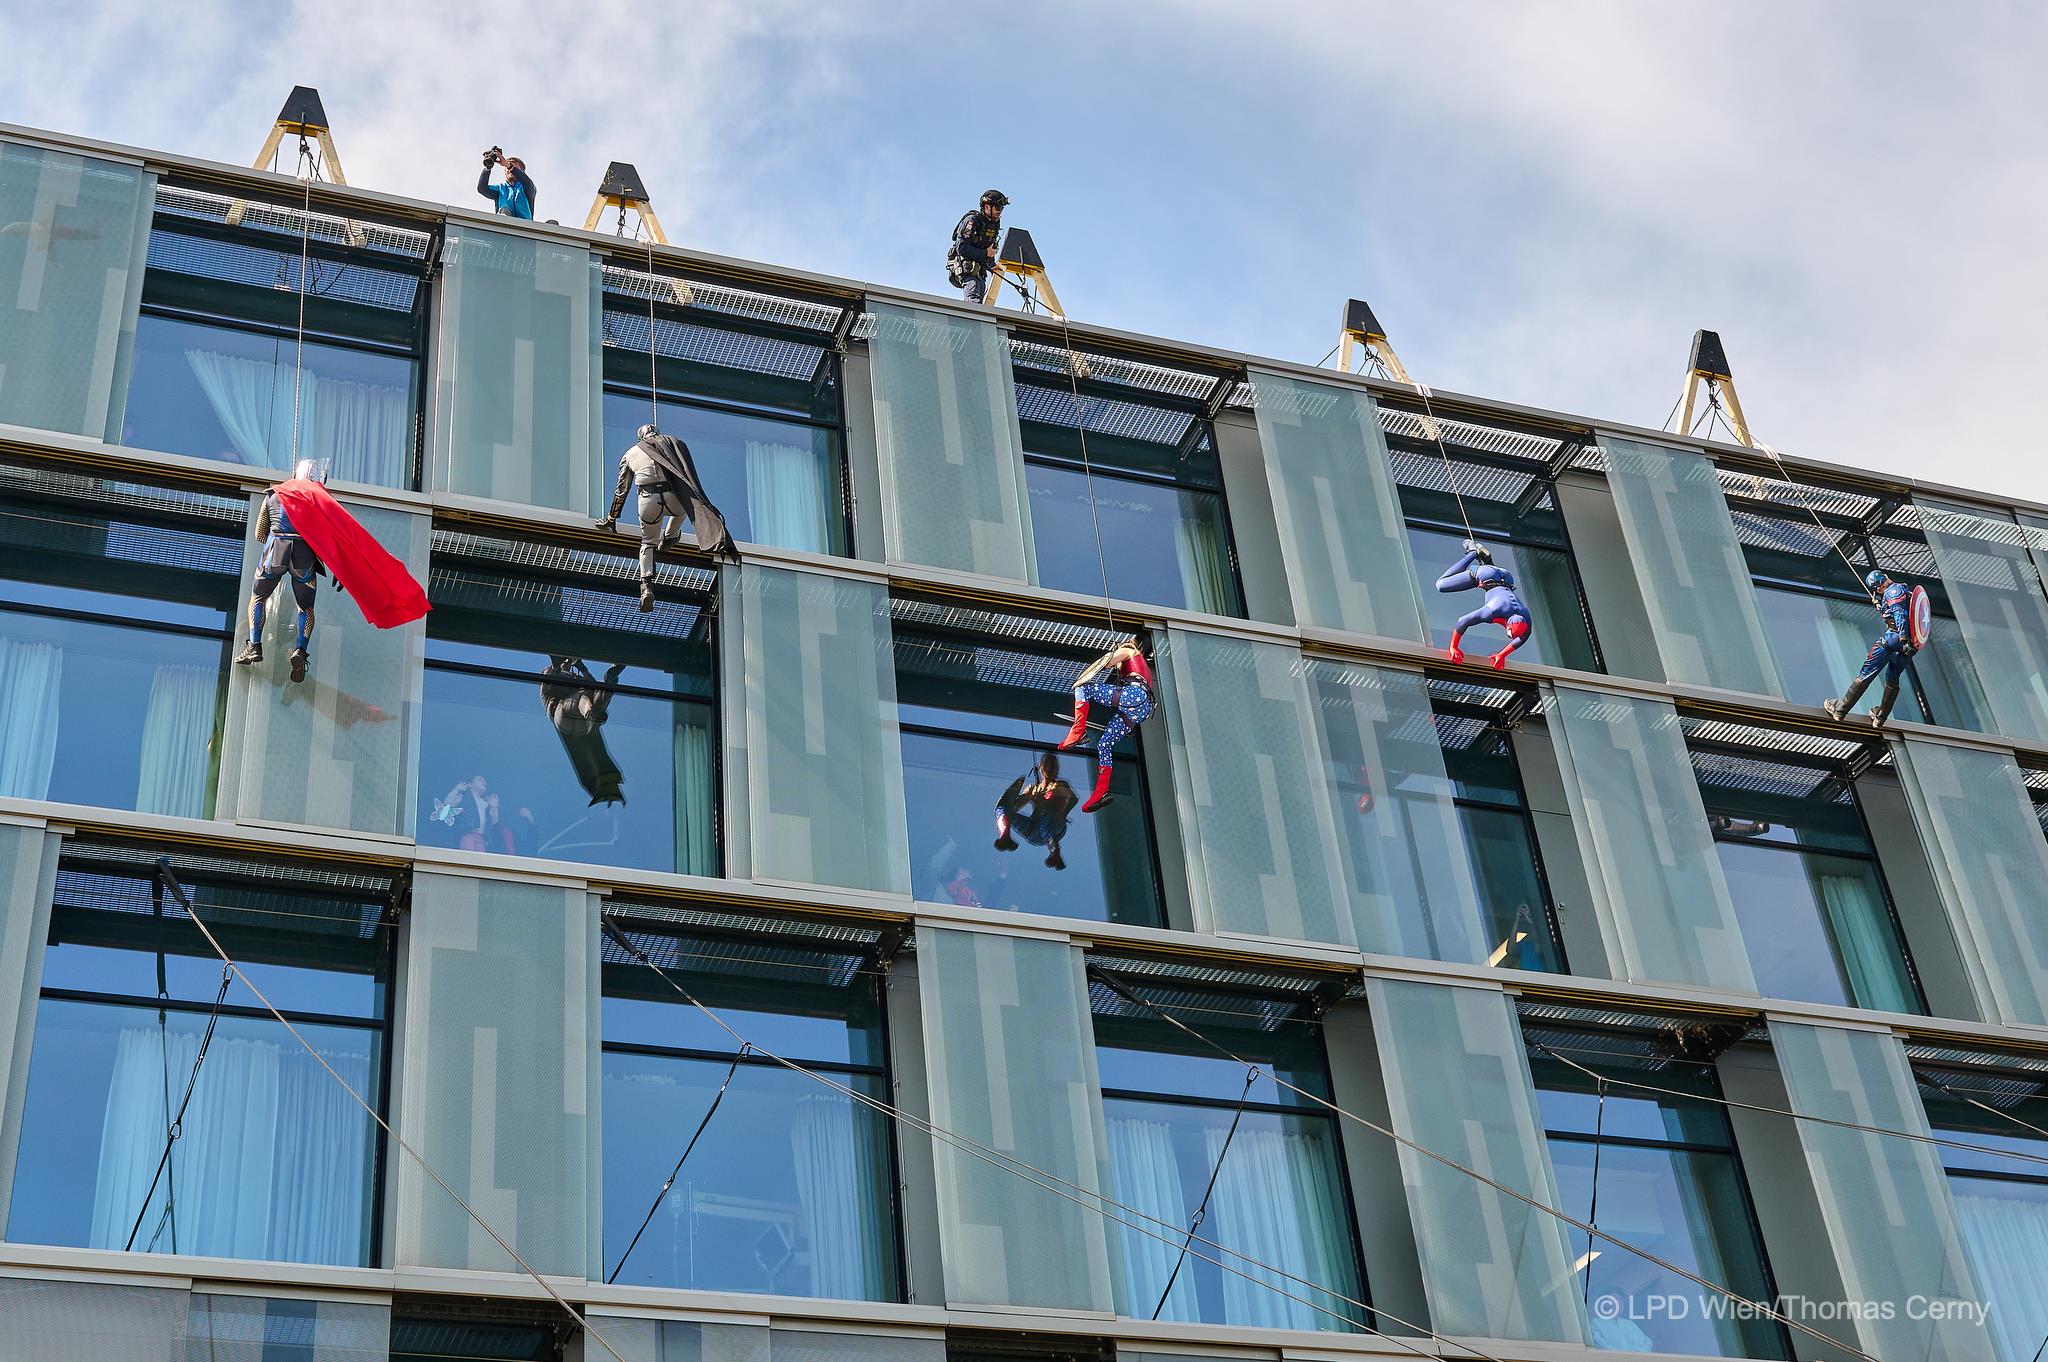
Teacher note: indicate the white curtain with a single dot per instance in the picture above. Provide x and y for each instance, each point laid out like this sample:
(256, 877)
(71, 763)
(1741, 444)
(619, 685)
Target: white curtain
(29, 705)
(787, 505)
(177, 741)
(2005, 1229)
(837, 1158)
(1204, 573)
(252, 400)
(362, 427)
(271, 1163)
(1145, 1176)
(1277, 1200)
(695, 802)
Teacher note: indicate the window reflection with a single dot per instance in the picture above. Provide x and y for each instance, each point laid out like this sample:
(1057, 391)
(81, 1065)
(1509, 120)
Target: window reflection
(788, 1190)
(272, 1161)
(2001, 1203)
(980, 724)
(1666, 1168)
(113, 651)
(1277, 1178)
(599, 749)
(1809, 895)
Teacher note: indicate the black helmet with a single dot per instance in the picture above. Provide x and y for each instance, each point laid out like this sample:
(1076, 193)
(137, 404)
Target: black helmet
(996, 197)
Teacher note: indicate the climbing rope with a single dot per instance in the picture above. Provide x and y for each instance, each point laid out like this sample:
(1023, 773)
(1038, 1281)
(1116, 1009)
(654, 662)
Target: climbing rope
(1436, 432)
(305, 252)
(653, 386)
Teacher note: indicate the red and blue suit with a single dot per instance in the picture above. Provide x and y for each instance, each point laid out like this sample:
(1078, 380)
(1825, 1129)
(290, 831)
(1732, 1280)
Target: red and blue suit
(1475, 571)
(1890, 654)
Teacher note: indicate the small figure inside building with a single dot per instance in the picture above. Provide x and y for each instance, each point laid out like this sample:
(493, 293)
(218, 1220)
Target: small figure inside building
(1122, 680)
(1475, 571)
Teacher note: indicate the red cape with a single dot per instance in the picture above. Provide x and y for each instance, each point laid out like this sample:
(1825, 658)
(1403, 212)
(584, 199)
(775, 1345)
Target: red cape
(384, 591)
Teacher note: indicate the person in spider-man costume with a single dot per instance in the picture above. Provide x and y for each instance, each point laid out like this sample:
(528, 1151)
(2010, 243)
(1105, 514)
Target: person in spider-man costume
(1475, 571)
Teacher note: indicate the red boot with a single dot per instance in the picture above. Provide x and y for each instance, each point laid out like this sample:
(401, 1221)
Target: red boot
(1080, 728)
(1101, 795)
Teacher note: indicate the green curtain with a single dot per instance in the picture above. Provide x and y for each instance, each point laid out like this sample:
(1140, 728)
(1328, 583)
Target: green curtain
(696, 805)
(1864, 939)
(1204, 569)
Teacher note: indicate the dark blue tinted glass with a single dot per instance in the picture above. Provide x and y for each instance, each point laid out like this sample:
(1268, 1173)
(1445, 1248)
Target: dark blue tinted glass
(1163, 545)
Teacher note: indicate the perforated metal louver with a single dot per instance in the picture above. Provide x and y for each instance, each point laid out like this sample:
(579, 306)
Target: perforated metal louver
(1459, 433)
(1103, 415)
(1784, 536)
(339, 877)
(1191, 384)
(1472, 481)
(1638, 1050)
(1250, 978)
(1590, 1016)
(852, 935)
(567, 562)
(264, 265)
(803, 314)
(1838, 750)
(110, 877)
(776, 356)
(1467, 693)
(278, 219)
(999, 625)
(1729, 772)
(690, 956)
(90, 489)
(613, 610)
(1795, 497)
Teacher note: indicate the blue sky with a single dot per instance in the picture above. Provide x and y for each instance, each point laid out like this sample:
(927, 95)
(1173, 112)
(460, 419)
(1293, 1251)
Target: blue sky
(1541, 201)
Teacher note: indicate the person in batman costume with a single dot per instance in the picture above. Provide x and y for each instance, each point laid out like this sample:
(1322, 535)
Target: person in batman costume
(661, 468)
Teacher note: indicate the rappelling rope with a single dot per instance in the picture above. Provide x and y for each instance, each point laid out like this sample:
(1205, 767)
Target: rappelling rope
(305, 242)
(1436, 432)
(653, 386)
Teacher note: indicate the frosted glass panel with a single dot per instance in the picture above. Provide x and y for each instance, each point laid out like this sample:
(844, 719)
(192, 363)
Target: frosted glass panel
(1458, 1083)
(1682, 542)
(334, 750)
(499, 1083)
(1989, 565)
(1261, 851)
(90, 1322)
(1885, 1200)
(1341, 531)
(1991, 864)
(257, 1329)
(1657, 885)
(817, 728)
(28, 880)
(809, 1345)
(517, 364)
(71, 261)
(946, 431)
(1010, 1053)
(1406, 871)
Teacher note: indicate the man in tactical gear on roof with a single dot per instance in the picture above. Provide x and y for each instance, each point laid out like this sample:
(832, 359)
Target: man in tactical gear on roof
(973, 253)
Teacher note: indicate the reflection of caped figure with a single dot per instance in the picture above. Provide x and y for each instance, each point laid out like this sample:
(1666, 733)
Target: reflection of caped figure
(670, 492)
(578, 704)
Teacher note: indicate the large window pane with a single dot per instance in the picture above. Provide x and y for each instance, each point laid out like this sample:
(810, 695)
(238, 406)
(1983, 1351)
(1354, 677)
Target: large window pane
(1544, 579)
(219, 392)
(114, 631)
(1817, 927)
(980, 725)
(786, 1193)
(1995, 585)
(2001, 1203)
(1516, 919)
(1660, 1171)
(775, 480)
(563, 722)
(1164, 545)
(273, 1160)
(70, 281)
(1278, 1192)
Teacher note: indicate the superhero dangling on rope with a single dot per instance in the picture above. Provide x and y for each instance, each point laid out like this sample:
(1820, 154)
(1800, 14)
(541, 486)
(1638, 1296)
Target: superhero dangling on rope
(1907, 619)
(1121, 679)
(305, 532)
(1475, 571)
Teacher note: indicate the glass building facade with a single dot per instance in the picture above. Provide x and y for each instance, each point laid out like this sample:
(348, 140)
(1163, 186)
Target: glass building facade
(747, 966)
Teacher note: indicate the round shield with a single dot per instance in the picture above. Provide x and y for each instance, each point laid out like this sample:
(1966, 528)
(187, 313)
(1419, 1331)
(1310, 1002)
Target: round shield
(1919, 618)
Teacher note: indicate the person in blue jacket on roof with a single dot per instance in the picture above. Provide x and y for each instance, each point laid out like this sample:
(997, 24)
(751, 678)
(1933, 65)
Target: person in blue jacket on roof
(1502, 606)
(515, 196)
(1890, 654)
